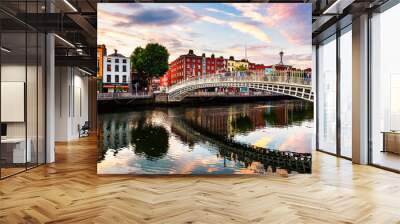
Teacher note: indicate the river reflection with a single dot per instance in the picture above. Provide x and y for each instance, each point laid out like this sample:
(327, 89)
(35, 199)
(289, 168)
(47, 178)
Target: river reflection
(221, 139)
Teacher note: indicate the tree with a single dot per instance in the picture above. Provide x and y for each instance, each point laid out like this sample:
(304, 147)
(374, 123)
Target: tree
(150, 62)
(240, 68)
(137, 59)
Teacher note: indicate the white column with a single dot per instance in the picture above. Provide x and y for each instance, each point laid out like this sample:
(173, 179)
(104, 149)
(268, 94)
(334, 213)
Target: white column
(313, 89)
(360, 90)
(50, 98)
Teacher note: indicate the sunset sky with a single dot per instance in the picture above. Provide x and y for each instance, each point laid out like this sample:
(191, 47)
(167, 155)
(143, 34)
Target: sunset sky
(223, 29)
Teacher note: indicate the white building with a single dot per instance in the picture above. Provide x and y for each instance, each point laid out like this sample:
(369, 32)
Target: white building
(116, 73)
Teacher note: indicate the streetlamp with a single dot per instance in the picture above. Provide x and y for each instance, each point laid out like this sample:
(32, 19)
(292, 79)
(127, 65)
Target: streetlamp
(136, 85)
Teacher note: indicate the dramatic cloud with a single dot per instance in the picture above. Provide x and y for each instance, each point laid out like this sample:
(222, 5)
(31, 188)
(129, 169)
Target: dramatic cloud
(221, 12)
(292, 21)
(259, 31)
(213, 20)
(251, 29)
(156, 17)
(279, 13)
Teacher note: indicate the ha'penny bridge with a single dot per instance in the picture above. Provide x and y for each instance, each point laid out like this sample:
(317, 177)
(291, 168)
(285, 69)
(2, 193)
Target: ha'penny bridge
(290, 85)
(296, 85)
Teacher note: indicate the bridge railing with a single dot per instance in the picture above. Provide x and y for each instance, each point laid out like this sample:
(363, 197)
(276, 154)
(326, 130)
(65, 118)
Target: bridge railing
(236, 94)
(297, 79)
(125, 95)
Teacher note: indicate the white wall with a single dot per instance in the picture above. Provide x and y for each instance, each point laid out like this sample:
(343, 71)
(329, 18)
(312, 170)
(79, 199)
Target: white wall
(33, 126)
(71, 102)
(14, 72)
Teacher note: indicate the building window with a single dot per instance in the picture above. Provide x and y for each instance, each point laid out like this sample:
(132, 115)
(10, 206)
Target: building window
(124, 68)
(117, 78)
(108, 68)
(108, 78)
(116, 60)
(109, 60)
(124, 78)
(124, 61)
(116, 68)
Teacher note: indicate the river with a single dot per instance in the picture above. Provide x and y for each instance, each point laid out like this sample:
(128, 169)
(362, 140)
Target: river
(209, 139)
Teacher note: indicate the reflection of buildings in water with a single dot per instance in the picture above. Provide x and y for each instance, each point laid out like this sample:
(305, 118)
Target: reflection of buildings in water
(222, 122)
(244, 118)
(285, 114)
(117, 133)
(183, 136)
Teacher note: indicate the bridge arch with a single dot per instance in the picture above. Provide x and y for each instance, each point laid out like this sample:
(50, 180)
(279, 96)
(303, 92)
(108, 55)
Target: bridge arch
(299, 88)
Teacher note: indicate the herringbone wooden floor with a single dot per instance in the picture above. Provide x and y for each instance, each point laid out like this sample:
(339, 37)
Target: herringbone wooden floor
(69, 191)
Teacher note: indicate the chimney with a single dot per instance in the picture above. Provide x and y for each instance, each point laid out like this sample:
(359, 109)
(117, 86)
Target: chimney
(203, 55)
(191, 51)
(231, 58)
(212, 55)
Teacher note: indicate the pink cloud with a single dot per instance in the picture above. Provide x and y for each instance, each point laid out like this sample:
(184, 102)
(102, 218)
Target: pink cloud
(252, 30)
(295, 37)
(278, 13)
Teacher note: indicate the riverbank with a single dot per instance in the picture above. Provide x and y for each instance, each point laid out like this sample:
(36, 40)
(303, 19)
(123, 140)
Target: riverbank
(110, 106)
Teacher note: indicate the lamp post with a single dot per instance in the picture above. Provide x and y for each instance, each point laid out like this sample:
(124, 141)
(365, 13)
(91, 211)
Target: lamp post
(136, 85)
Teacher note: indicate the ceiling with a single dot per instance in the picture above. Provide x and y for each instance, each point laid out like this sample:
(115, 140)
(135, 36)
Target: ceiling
(75, 22)
(332, 15)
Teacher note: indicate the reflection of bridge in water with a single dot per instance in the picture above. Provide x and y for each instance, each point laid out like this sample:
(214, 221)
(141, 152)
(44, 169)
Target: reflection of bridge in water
(190, 132)
(243, 118)
(290, 85)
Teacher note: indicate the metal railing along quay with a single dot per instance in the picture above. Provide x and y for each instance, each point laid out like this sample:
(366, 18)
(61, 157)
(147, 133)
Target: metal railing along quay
(111, 96)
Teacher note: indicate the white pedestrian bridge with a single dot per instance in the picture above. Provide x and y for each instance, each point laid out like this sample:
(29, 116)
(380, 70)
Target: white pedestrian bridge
(290, 85)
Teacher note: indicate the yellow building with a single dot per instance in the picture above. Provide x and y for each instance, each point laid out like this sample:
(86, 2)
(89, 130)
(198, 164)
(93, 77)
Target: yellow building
(101, 52)
(242, 63)
(233, 65)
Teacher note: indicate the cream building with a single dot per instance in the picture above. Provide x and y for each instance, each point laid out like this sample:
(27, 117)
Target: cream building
(233, 64)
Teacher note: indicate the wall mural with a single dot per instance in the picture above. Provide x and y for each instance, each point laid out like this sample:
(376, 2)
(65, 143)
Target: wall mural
(204, 88)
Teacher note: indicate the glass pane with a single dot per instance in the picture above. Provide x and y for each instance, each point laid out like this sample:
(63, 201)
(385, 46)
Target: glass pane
(346, 94)
(385, 84)
(31, 98)
(327, 96)
(14, 153)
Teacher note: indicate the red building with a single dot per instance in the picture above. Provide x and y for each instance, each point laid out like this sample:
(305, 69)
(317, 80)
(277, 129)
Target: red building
(191, 65)
(259, 69)
(252, 66)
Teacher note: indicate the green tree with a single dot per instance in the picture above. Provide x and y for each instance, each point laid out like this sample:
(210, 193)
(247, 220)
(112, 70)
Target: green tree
(100, 85)
(240, 68)
(151, 61)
